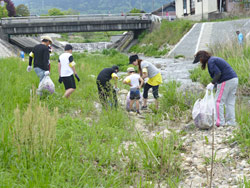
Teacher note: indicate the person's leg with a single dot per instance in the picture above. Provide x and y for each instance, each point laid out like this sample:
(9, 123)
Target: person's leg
(114, 100)
(230, 102)
(68, 92)
(131, 104)
(39, 72)
(220, 98)
(69, 84)
(145, 95)
(137, 106)
(102, 93)
(156, 95)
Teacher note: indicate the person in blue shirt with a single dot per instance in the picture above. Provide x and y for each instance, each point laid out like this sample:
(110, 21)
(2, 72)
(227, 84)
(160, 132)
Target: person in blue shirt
(227, 82)
(240, 37)
(22, 55)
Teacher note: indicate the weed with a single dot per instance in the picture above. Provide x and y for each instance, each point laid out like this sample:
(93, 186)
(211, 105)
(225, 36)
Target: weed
(152, 44)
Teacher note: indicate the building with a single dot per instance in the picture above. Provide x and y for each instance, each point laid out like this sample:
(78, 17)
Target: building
(167, 11)
(208, 9)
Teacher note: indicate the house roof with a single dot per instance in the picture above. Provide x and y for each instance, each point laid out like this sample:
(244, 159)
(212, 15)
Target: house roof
(164, 6)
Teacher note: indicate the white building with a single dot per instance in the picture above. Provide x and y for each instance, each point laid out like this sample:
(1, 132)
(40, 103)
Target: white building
(198, 9)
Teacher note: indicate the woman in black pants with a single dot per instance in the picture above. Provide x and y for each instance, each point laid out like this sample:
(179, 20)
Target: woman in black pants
(147, 69)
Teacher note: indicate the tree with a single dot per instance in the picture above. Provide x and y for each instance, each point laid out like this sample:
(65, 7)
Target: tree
(55, 12)
(10, 7)
(71, 12)
(22, 10)
(135, 10)
(3, 11)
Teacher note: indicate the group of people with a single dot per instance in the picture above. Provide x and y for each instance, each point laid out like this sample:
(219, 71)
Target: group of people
(135, 81)
(66, 65)
(222, 74)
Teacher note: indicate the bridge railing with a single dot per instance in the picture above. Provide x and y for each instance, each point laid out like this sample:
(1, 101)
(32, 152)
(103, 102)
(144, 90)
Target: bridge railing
(72, 18)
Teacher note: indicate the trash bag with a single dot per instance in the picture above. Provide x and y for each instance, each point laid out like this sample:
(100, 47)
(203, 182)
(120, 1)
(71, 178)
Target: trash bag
(46, 84)
(134, 105)
(203, 111)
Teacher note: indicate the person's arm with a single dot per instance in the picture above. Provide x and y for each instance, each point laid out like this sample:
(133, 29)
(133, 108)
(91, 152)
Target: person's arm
(46, 59)
(127, 81)
(59, 68)
(114, 76)
(216, 78)
(31, 56)
(141, 84)
(144, 73)
(72, 65)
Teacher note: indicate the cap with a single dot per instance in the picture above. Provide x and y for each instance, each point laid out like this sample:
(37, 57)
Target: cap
(133, 58)
(47, 38)
(196, 59)
(114, 67)
(68, 47)
(131, 69)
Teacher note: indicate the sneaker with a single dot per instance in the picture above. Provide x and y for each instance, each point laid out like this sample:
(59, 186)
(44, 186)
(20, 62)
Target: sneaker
(144, 108)
(138, 112)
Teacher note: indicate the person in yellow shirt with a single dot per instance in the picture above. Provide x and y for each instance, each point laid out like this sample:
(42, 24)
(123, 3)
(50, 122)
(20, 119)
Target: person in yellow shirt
(147, 69)
(135, 82)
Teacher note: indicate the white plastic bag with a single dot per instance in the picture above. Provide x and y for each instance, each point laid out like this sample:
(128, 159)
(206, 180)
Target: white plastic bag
(203, 111)
(46, 84)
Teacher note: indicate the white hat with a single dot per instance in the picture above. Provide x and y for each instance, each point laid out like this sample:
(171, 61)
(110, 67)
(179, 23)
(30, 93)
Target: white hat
(47, 38)
(131, 69)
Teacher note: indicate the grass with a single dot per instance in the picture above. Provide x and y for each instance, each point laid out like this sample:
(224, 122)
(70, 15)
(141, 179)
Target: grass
(55, 142)
(155, 43)
(175, 105)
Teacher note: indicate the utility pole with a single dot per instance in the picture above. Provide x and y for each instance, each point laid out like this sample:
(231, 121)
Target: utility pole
(202, 10)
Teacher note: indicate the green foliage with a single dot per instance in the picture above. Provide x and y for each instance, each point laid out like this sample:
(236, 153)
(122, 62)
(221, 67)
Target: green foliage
(242, 133)
(135, 10)
(55, 12)
(199, 75)
(78, 145)
(71, 12)
(3, 11)
(153, 44)
(22, 10)
(174, 104)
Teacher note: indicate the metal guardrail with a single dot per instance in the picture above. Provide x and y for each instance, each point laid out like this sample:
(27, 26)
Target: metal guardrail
(72, 18)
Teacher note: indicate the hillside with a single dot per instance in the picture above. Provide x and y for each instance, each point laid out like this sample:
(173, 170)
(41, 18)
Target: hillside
(91, 7)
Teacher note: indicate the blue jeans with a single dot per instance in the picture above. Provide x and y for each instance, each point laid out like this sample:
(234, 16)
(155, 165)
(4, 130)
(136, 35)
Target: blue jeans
(39, 73)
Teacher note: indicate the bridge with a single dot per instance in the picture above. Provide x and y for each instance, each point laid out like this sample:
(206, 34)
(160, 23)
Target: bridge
(75, 23)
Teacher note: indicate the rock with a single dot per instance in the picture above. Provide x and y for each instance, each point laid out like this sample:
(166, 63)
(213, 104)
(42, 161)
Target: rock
(193, 87)
(98, 106)
(164, 133)
(158, 65)
(244, 163)
(201, 168)
(123, 91)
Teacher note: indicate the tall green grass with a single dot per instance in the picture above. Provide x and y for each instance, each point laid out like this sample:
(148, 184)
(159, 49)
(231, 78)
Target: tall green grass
(154, 43)
(55, 142)
(174, 104)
